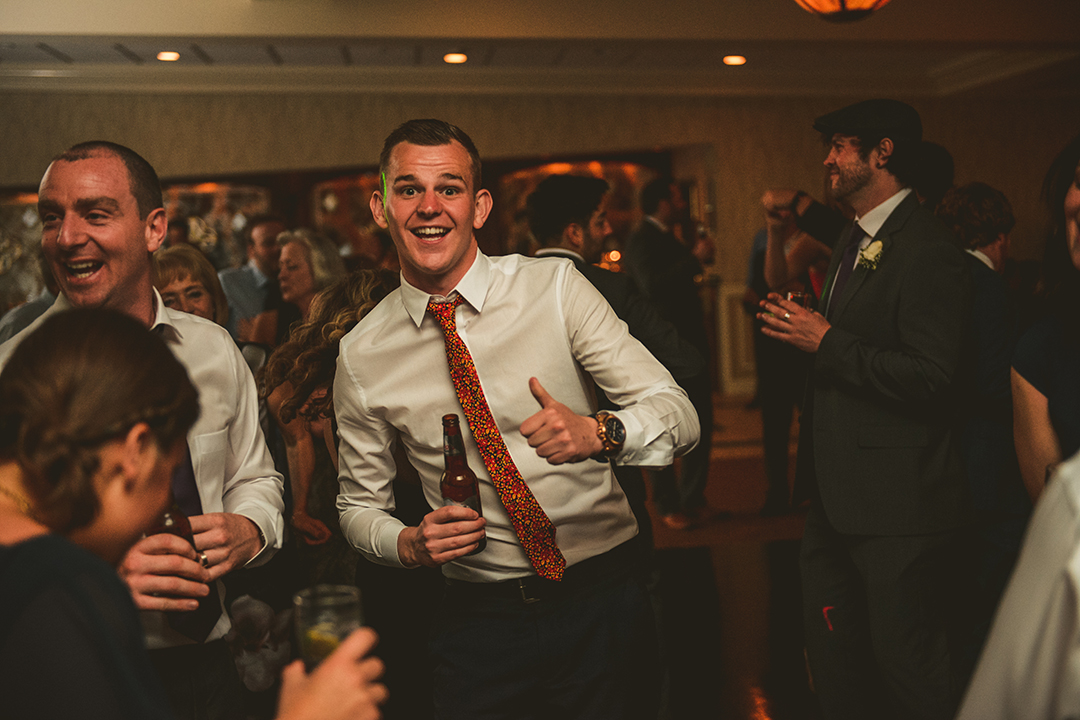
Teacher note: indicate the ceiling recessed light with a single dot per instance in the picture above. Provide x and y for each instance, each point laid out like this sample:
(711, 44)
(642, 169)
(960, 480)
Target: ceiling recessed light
(455, 58)
(168, 56)
(734, 60)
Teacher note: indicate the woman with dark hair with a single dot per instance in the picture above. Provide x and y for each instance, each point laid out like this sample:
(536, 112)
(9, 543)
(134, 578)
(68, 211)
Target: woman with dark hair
(1045, 381)
(94, 410)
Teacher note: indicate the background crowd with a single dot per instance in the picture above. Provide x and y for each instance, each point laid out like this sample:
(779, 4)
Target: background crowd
(932, 378)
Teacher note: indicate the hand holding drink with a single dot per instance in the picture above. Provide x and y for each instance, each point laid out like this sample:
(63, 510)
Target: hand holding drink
(802, 298)
(325, 615)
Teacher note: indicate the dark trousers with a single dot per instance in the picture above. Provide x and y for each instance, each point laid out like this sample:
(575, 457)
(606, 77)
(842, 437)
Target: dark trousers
(200, 680)
(878, 612)
(585, 651)
(781, 382)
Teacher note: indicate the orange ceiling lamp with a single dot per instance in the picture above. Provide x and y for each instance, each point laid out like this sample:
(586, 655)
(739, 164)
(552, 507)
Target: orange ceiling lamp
(842, 10)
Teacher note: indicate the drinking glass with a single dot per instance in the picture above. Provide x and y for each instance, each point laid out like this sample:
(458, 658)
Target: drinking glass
(802, 298)
(325, 615)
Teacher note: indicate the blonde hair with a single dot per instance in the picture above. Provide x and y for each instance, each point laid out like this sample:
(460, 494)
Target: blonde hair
(327, 267)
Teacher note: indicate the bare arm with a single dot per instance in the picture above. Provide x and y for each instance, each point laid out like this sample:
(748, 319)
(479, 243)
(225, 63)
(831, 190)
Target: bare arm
(777, 271)
(1037, 446)
(300, 455)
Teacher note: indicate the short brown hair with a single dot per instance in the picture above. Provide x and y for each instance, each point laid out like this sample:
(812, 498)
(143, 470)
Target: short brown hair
(977, 214)
(143, 180)
(429, 133)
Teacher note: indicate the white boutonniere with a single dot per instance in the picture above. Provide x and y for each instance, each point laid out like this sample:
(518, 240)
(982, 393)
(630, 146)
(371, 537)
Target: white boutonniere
(870, 255)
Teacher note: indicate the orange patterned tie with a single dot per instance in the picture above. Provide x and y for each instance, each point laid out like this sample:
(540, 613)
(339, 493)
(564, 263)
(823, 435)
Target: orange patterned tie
(532, 525)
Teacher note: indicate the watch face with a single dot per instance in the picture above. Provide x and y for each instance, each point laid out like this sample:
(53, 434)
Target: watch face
(615, 431)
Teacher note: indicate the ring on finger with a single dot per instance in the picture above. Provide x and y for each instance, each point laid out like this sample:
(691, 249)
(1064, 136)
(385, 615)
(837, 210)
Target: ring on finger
(204, 561)
(787, 316)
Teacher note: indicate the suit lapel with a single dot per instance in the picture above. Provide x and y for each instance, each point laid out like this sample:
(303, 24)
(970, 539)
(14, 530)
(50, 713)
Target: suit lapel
(895, 222)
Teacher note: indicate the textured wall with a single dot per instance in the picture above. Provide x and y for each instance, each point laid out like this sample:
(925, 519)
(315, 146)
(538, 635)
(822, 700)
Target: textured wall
(757, 143)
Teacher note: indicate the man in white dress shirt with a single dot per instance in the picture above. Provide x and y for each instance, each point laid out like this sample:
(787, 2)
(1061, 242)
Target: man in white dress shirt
(507, 642)
(102, 216)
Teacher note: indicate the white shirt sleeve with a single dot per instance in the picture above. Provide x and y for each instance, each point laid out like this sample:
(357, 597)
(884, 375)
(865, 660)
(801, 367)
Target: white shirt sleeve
(366, 471)
(660, 421)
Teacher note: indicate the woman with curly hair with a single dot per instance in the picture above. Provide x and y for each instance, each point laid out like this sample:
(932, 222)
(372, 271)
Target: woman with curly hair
(1045, 384)
(297, 384)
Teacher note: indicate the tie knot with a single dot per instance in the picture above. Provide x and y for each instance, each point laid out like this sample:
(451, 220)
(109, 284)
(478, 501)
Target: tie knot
(444, 312)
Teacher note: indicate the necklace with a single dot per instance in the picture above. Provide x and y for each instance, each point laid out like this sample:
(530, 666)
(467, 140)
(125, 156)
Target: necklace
(20, 500)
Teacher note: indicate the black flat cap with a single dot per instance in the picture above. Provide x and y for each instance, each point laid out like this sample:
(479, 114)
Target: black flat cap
(889, 118)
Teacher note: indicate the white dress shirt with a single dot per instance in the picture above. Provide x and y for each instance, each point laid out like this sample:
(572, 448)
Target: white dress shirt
(870, 223)
(1030, 665)
(233, 468)
(523, 317)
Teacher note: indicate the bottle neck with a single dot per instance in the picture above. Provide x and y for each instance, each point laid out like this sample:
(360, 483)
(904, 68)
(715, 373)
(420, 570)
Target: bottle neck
(454, 451)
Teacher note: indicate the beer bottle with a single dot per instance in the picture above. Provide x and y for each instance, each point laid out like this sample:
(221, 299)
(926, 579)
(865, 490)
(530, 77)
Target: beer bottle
(195, 624)
(174, 522)
(458, 485)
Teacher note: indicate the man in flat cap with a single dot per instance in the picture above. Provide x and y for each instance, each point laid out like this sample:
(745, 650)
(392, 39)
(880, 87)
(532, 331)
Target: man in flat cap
(878, 456)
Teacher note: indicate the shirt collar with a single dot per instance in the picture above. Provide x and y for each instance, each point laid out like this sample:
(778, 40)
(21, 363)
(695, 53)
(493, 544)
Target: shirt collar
(872, 221)
(162, 318)
(982, 256)
(260, 277)
(163, 322)
(560, 252)
(473, 287)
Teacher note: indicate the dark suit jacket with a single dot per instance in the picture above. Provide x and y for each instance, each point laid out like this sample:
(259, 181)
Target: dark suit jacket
(986, 415)
(659, 336)
(878, 440)
(664, 270)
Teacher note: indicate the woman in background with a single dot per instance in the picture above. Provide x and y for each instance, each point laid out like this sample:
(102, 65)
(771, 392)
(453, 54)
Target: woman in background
(299, 381)
(1045, 381)
(309, 264)
(188, 283)
(94, 411)
(297, 384)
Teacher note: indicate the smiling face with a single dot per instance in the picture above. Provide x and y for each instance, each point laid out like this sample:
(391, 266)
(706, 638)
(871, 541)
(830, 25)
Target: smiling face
(93, 238)
(431, 211)
(187, 295)
(849, 173)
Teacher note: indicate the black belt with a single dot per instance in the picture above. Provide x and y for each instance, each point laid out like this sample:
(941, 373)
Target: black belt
(617, 563)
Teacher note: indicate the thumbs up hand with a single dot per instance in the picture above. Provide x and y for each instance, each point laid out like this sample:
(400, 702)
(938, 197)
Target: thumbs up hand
(557, 433)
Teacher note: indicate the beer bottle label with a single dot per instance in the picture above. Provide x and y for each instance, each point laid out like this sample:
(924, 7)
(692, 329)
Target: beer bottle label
(472, 502)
